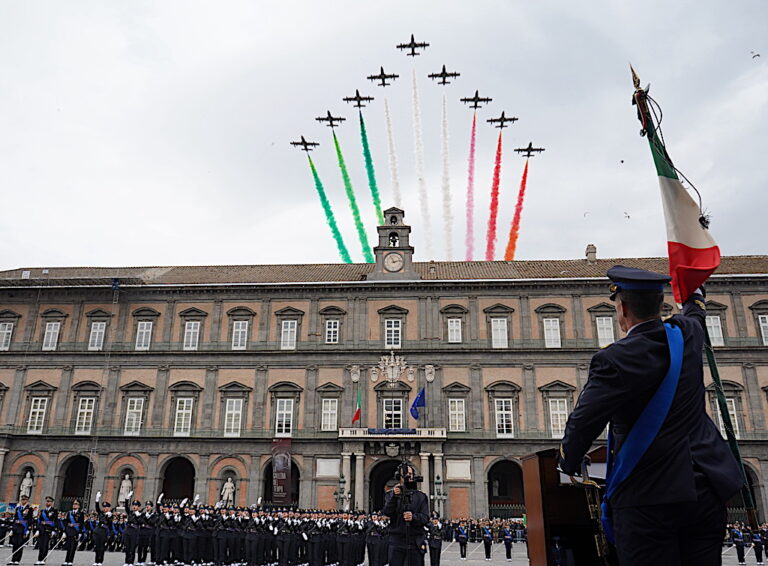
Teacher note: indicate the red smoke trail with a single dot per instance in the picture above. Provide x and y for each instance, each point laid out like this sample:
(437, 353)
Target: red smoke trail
(470, 240)
(490, 245)
(509, 255)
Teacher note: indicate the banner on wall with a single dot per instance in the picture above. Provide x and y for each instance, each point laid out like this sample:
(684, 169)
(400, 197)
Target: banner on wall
(281, 471)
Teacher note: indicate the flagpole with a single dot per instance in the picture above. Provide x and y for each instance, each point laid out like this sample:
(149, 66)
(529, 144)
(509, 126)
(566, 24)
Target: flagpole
(649, 127)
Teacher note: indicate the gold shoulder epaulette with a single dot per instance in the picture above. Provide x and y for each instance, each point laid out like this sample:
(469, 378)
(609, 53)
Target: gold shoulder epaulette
(700, 304)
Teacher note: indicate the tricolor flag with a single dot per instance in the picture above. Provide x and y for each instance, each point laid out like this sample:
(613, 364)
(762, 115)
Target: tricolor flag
(693, 253)
(356, 416)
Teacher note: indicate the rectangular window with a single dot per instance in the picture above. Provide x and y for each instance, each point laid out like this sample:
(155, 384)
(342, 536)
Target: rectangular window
(182, 425)
(133, 416)
(558, 415)
(763, 320)
(456, 418)
(6, 332)
(731, 404)
(393, 413)
(499, 336)
(331, 331)
(51, 335)
(504, 423)
(143, 334)
(191, 334)
(604, 330)
(239, 334)
(330, 414)
(85, 415)
(96, 339)
(37, 415)
(284, 417)
(454, 330)
(551, 332)
(393, 328)
(715, 330)
(233, 417)
(288, 335)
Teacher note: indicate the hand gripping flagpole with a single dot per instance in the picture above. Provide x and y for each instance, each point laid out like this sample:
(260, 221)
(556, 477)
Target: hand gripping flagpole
(650, 128)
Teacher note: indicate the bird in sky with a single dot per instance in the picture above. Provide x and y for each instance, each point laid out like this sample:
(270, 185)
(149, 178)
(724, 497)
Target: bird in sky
(754, 55)
(626, 215)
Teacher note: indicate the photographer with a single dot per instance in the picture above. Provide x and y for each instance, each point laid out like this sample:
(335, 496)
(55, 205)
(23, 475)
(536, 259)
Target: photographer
(408, 512)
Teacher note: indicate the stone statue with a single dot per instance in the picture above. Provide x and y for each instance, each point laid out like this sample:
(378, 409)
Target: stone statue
(228, 492)
(354, 373)
(429, 373)
(126, 490)
(374, 374)
(26, 485)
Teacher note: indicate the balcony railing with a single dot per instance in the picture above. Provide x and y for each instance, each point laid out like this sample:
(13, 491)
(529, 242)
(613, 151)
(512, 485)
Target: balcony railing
(392, 433)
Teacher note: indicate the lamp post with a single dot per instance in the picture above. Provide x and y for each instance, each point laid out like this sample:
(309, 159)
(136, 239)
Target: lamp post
(439, 496)
(342, 498)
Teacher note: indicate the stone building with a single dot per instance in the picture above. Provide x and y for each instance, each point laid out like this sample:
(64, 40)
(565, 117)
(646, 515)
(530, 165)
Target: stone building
(182, 377)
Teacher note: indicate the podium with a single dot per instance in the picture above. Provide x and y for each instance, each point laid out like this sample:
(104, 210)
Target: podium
(560, 527)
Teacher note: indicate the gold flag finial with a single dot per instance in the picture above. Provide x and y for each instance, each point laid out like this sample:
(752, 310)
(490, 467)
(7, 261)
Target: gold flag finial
(635, 78)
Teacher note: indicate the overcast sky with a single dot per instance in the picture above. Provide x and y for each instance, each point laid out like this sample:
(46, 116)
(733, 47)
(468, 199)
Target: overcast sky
(156, 133)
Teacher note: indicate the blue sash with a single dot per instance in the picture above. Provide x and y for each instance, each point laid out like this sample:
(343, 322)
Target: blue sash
(20, 518)
(645, 428)
(73, 522)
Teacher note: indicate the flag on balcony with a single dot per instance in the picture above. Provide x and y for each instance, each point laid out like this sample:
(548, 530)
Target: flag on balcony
(358, 410)
(418, 402)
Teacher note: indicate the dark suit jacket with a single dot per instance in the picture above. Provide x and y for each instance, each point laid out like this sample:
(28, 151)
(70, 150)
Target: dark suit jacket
(622, 379)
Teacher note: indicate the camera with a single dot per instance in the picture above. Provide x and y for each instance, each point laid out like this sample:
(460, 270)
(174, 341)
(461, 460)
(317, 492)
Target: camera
(402, 471)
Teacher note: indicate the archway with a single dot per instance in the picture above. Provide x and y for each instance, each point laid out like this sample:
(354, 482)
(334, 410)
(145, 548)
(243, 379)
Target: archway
(75, 482)
(380, 475)
(506, 497)
(736, 506)
(178, 480)
(293, 493)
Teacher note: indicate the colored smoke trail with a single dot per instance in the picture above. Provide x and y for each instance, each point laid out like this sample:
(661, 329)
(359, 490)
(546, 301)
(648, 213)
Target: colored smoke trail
(392, 157)
(329, 217)
(367, 254)
(470, 239)
(371, 172)
(514, 231)
(418, 143)
(490, 245)
(447, 214)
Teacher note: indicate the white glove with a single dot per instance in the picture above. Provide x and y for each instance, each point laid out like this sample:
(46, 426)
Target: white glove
(98, 496)
(159, 499)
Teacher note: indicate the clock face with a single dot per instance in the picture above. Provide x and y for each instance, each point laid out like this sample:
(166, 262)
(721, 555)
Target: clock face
(393, 262)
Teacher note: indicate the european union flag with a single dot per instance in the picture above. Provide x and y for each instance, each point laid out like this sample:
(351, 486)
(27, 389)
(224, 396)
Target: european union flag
(418, 402)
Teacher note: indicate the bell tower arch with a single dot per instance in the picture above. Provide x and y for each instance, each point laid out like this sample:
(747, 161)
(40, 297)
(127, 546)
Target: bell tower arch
(394, 253)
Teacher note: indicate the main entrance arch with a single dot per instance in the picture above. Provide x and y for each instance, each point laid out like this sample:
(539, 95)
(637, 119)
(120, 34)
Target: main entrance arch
(178, 480)
(505, 490)
(293, 495)
(75, 483)
(380, 475)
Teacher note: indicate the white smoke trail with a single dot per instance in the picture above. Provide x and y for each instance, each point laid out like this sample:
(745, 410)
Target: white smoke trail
(419, 147)
(392, 157)
(447, 214)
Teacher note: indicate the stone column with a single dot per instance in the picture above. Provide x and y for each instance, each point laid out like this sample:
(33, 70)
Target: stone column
(201, 480)
(216, 324)
(151, 481)
(60, 419)
(306, 483)
(346, 472)
(3, 452)
(99, 480)
(15, 396)
(480, 483)
(254, 491)
(359, 480)
(530, 398)
(425, 472)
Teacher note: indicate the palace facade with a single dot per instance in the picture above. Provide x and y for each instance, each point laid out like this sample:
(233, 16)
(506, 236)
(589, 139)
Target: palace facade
(183, 377)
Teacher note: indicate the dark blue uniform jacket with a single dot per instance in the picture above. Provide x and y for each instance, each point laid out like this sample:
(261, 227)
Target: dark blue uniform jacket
(622, 379)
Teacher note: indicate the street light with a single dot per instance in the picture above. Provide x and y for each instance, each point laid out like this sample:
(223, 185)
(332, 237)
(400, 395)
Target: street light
(439, 496)
(342, 498)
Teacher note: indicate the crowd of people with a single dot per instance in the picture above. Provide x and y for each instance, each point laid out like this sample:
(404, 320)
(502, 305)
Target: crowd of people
(741, 536)
(218, 535)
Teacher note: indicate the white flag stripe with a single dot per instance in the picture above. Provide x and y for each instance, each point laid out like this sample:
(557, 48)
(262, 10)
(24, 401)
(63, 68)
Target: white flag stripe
(681, 214)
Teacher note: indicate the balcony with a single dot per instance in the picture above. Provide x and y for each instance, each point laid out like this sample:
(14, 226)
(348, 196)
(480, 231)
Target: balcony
(392, 434)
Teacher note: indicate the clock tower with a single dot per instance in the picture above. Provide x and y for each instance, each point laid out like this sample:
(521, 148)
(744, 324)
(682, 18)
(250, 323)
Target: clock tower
(394, 254)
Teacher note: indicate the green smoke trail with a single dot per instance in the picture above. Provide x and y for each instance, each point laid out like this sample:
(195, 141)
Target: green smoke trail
(371, 172)
(329, 217)
(353, 203)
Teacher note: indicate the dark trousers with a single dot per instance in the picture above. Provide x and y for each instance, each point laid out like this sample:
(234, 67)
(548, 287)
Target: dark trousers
(487, 544)
(399, 553)
(164, 545)
(688, 533)
(17, 542)
(145, 539)
(463, 549)
(434, 555)
(44, 543)
(131, 543)
(508, 548)
(189, 548)
(758, 553)
(70, 545)
(99, 546)
(740, 551)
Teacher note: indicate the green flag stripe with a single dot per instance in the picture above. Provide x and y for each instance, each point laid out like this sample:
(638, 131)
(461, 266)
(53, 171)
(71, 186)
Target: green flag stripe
(663, 167)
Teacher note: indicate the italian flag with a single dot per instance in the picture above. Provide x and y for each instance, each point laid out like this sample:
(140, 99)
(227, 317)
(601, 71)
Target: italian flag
(693, 253)
(356, 416)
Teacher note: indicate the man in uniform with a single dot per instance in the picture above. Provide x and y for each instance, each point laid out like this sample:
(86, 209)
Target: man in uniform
(435, 540)
(670, 509)
(46, 524)
(23, 519)
(74, 526)
(408, 512)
